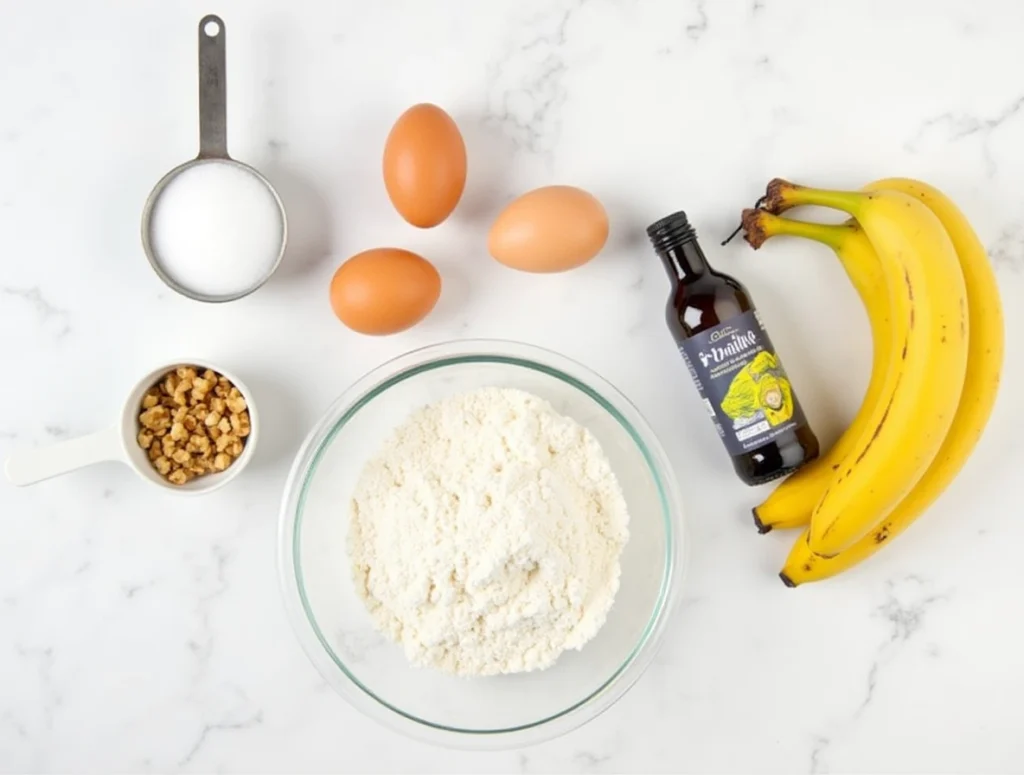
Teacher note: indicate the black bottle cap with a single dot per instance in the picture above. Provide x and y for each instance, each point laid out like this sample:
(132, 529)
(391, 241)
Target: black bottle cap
(670, 232)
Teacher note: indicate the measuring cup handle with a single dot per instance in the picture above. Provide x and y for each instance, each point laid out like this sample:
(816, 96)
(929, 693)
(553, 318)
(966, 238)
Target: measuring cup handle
(213, 133)
(33, 465)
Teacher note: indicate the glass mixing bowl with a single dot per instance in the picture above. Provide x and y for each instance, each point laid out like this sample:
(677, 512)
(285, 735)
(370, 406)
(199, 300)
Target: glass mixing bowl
(370, 671)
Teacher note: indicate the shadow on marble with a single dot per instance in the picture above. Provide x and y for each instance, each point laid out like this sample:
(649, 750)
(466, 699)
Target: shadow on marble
(488, 174)
(310, 231)
(456, 291)
(627, 227)
(282, 428)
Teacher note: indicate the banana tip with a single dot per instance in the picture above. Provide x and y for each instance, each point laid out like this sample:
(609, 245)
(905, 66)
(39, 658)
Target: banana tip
(762, 528)
(787, 580)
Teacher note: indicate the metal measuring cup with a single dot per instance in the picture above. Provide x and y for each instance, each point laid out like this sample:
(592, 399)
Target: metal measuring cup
(213, 149)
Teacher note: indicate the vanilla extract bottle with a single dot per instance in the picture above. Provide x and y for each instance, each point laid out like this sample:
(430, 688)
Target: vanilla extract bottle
(732, 361)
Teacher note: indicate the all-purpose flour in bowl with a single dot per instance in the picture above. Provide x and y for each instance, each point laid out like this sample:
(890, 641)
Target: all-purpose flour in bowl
(485, 536)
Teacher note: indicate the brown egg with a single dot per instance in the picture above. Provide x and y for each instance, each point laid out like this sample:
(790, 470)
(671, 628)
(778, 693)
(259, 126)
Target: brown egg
(385, 290)
(549, 229)
(425, 165)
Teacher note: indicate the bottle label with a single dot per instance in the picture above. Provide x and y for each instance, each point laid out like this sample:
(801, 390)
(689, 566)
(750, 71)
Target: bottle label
(742, 383)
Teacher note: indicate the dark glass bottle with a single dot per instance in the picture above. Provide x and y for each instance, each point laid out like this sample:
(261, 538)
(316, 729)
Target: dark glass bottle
(731, 359)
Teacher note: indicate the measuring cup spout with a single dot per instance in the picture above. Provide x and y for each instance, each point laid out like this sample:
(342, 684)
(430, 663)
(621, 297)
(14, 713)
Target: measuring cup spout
(33, 465)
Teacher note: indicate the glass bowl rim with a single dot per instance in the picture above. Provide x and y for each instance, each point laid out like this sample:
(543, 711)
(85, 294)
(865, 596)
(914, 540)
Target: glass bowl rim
(375, 382)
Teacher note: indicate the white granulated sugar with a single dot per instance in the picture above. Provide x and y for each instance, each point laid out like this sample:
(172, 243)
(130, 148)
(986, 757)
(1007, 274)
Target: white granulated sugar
(485, 537)
(216, 229)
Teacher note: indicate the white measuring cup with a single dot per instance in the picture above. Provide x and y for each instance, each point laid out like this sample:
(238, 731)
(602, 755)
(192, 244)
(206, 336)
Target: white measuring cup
(250, 214)
(119, 442)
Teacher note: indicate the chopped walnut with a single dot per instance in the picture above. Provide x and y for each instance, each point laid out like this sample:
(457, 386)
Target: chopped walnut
(240, 424)
(192, 423)
(198, 445)
(155, 418)
(180, 476)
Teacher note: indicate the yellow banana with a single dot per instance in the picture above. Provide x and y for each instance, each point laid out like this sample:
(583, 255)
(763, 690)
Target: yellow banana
(925, 375)
(984, 366)
(791, 503)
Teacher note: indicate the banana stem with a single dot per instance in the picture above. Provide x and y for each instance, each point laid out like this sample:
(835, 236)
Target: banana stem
(759, 226)
(781, 195)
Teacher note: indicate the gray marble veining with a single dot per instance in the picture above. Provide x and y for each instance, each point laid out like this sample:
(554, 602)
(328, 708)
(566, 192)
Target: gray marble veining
(144, 633)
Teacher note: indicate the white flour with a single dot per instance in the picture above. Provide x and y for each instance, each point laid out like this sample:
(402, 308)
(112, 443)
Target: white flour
(485, 537)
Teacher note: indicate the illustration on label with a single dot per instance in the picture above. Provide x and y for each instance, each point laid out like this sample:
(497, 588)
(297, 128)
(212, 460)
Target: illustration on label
(742, 382)
(759, 391)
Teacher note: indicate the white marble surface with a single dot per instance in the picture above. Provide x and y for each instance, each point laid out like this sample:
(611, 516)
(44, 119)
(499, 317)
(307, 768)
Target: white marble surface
(141, 632)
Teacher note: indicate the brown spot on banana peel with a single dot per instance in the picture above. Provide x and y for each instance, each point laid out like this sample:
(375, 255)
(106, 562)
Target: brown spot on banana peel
(878, 428)
(903, 355)
(874, 435)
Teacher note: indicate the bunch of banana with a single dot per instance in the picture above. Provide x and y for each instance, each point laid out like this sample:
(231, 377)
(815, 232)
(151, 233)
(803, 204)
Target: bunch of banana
(937, 327)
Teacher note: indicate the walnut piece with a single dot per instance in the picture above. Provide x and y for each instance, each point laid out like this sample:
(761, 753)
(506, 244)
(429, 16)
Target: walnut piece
(192, 423)
(155, 418)
(179, 476)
